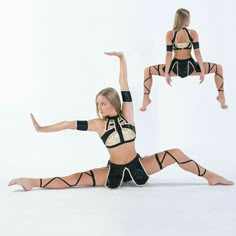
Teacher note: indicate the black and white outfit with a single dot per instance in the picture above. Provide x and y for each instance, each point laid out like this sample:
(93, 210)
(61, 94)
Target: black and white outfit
(133, 170)
(117, 132)
(186, 67)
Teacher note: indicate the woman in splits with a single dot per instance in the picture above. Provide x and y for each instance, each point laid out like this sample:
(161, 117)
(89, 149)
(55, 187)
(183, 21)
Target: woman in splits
(115, 126)
(181, 40)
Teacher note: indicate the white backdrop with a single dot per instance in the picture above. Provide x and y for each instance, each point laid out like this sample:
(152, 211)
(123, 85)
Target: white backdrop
(52, 64)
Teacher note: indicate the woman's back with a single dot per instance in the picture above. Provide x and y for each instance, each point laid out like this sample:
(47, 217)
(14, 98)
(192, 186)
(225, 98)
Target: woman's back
(182, 42)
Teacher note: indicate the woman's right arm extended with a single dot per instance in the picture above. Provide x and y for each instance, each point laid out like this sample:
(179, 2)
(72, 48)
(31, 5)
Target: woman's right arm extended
(91, 125)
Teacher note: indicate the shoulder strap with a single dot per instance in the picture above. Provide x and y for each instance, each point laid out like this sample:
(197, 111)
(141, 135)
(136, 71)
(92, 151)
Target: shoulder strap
(189, 36)
(174, 37)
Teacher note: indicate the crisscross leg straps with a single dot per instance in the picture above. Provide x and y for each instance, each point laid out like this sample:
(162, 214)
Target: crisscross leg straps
(145, 80)
(199, 170)
(210, 67)
(91, 174)
(157, 68)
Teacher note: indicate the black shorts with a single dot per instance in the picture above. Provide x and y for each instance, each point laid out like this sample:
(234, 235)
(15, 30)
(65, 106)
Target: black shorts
(184, 68)
(133, 170)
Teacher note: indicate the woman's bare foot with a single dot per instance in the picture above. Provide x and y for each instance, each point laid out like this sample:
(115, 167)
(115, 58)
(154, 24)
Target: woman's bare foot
(25, 183)
(146, 102)
(221, 99)
(214, 179)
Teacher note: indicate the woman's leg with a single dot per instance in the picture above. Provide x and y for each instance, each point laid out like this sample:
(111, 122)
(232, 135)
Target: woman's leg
(95, 177)
(158, 161)
(148, 73)
(219, 80)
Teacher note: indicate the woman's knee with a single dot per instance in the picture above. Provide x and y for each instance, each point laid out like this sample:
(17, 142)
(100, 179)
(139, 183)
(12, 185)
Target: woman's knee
(147, 71)
(175, 151)
(219, 68)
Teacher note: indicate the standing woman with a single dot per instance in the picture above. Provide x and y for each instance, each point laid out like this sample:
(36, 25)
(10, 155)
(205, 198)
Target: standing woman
(115, 126)
(179, 61)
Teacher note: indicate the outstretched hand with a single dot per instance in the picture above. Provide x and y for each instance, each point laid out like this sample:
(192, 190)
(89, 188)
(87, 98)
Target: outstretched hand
(117, 54)
(35, 123)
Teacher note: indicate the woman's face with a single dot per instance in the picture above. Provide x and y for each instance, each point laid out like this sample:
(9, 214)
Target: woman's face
(105, 108)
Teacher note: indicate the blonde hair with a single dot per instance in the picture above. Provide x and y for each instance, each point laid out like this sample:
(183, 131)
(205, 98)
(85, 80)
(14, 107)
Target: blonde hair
(112, 96)
(181, 17)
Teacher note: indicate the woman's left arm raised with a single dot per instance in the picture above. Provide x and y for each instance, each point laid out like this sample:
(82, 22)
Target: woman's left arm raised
(127, 106)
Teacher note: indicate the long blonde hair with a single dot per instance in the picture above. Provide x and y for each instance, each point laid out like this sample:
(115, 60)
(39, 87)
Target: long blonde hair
(181, 17)
(112, 96)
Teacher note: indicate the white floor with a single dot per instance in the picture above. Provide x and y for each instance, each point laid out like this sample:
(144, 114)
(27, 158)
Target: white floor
(164, 206)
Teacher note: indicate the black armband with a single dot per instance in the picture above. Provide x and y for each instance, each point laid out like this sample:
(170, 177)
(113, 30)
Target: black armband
(196, 45)
(82, 125)
(169, 48)
(126, 96)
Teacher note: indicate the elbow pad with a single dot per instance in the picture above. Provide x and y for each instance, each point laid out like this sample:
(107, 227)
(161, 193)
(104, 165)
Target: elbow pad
(196, 45)
(82, 125)
(126, 96)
